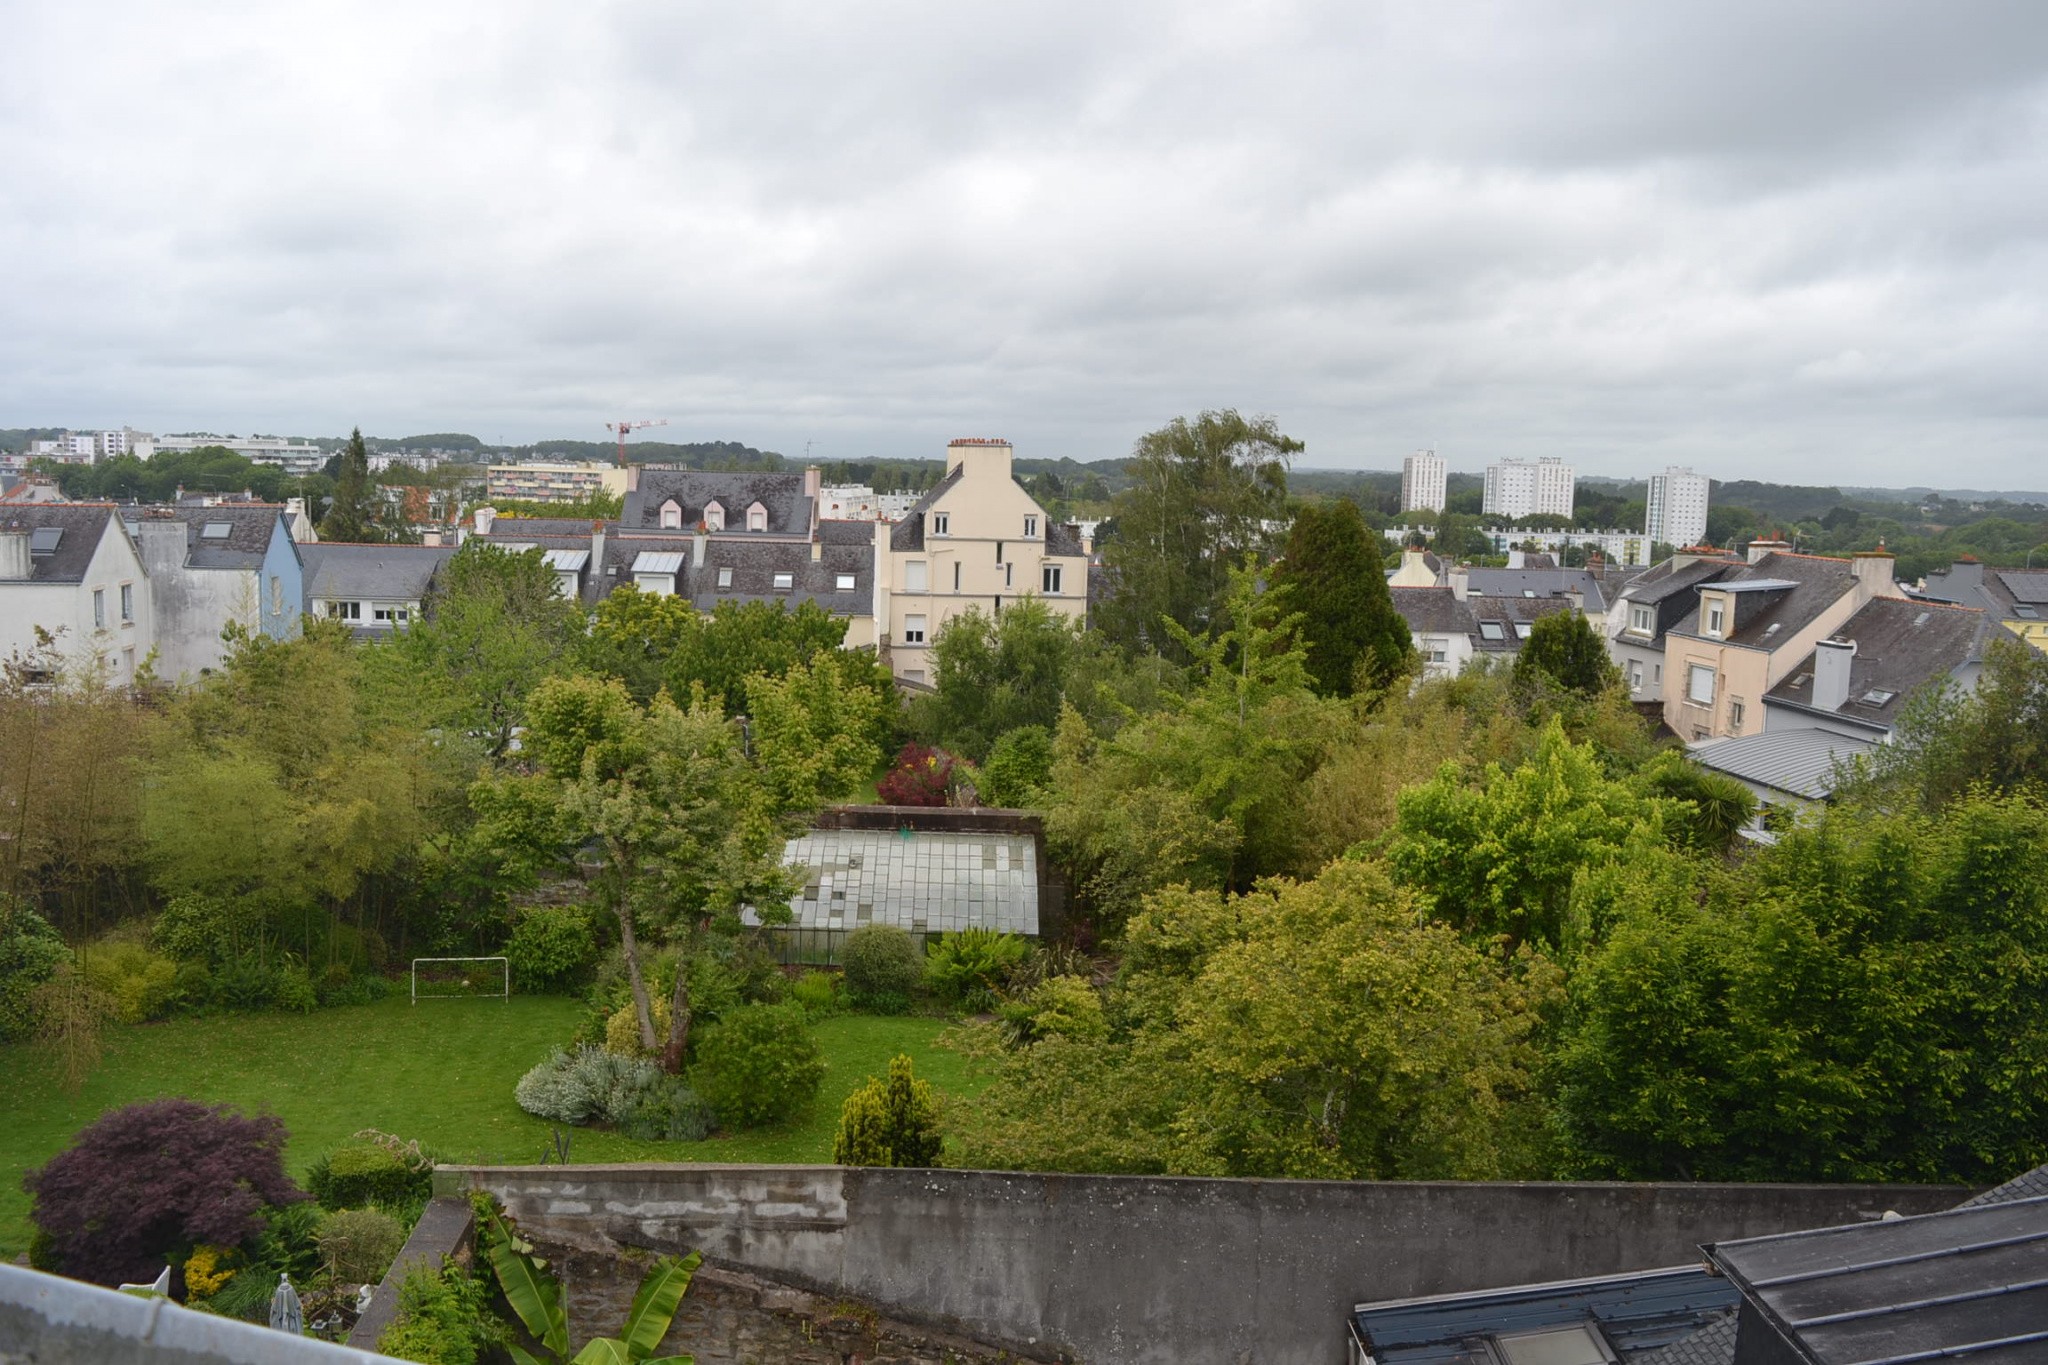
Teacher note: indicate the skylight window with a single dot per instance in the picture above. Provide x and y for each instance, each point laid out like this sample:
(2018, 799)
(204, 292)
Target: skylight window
(43, 540)
(216, 530)
(1878, 696)
(1492, 630)
(2022, 609)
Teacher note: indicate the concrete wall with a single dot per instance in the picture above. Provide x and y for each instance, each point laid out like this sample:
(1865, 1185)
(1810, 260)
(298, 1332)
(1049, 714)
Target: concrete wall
(193, 606)
(1111, 1269)
(49, 1320)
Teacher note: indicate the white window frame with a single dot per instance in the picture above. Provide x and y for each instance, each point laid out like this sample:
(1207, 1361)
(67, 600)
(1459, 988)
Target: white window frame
(1717, 617)
(1635, 675)
(1031, 528)
(714, 516)
(915, 628)
(1695, 676)
(671, 515)
(844, 582)
(99, 608)
(1735, 714)
(128, 604)
(725, 576)
(942, 523)
(757, 518)
(1051, 577)
(1642, 620)
(784, 580)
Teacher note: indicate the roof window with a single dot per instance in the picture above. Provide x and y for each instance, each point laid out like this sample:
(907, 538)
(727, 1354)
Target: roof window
(1878, 696)
(785, 581)
(216, 530)
(2022, 609)
(1492, 630)
(43, 540)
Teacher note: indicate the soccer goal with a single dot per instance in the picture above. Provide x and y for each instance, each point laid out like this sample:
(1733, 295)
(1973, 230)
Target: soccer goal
(461, 978)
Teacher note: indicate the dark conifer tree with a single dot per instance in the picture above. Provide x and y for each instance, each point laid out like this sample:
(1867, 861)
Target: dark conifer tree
(352, 515)
(1355, 637)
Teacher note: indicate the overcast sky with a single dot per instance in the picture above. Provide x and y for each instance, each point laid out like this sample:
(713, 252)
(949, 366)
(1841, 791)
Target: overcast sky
(1797, 241)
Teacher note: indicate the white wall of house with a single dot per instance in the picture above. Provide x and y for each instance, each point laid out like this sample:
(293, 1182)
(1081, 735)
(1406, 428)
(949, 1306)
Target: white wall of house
(193, 606)
(107, 618)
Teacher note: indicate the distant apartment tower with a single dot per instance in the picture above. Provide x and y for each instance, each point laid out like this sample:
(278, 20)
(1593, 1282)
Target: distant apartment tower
(1516, 488)
(1422, 482)
(1677, 508)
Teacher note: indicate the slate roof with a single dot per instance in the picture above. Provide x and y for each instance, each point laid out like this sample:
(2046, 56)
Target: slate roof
(384, 573)
(1966, 1283)
(1432, 611)
(1639, 1314)
(1673, 579)
(82, 524)
(908, 532)
(789, 510)
(526, 528)
(247, 542)
(1539, 582)
(1713, 1344)
(1509, 613)
(1900, 646)
(754, 564)
(1796, 761)
(847, 533)
(1063, 538)
(2030, 1185)
(1813, 584)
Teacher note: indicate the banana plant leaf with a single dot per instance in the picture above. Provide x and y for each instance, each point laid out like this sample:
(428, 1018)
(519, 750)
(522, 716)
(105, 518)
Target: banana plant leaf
(654, 1307)
(603, 1351)
(535, 1295)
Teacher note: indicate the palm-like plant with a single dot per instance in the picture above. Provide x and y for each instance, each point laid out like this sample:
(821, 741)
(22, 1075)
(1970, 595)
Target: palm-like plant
(536, 1296)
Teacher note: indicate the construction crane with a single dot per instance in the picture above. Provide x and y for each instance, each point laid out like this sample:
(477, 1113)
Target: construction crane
(622, 427)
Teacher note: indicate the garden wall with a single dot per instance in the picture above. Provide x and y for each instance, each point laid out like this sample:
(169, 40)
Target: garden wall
(1115, 1269)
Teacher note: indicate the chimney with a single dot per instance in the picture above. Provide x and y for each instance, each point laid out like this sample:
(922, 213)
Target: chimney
(1515, 559)
(1759, 548)
(980, 457)
(485, 516)
(432, 537)
(1874, 573)
(1461, 581)
(596, 570)
(697, 539)
(1596, 565)
(14, 557)
(814, 479)
(1577, 599)
(817, 549)
(1831, 660)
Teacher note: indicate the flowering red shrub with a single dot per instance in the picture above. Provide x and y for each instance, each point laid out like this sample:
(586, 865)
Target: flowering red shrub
(142, 1180)
(920, 777)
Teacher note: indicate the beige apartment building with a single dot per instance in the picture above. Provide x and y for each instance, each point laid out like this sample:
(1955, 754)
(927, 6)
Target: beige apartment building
(1752, 626)
(975, 542)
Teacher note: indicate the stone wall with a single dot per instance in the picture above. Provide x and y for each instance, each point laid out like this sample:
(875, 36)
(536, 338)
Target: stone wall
(1116, 1269)
(446, 1229)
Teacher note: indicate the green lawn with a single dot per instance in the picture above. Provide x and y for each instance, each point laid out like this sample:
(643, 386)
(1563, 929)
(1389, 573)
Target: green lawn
(441, 1071)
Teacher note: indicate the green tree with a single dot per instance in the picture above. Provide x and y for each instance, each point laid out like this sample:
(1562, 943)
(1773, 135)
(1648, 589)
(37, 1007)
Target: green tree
(1498, 857)
(680, 828)
(1948, 740)
(1565, 648)
(496, 625)
(995, 675)
(814, 728)
(890, 1123)
(1201, 496)
(352, 517)
(1355, 637)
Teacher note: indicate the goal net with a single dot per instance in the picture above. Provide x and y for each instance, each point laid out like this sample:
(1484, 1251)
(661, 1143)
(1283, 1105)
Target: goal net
(461, 978)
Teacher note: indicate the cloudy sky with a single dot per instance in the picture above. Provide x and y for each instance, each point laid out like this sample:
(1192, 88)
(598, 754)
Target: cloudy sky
(1776, 239)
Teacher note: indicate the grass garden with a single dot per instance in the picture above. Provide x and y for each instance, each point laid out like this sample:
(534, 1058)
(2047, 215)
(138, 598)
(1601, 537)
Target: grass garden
(441, 1072)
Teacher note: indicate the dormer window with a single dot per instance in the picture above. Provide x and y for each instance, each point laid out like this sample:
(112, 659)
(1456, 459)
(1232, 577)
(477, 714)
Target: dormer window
(1641, 620)
(671, 516)
(1717, 617)
(942, 524)
(714, 516)
(757, 517)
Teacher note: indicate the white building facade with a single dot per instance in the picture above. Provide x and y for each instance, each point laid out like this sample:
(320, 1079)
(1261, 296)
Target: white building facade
(1422, 482)
(1676, 510)
(1517, 488)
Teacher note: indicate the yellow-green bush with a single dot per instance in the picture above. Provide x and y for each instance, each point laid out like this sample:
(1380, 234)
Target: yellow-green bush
(622, 1030)
(141, 983)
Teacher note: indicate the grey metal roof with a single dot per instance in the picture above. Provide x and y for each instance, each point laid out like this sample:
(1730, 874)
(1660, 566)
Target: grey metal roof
(659, 561)
(1637, 1314)
(789, 510)
(1901, 645)
(1798, 762)
(1757, 585)
(76, 527)
(384, 573)
(1968, 1282)
(567, 561)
